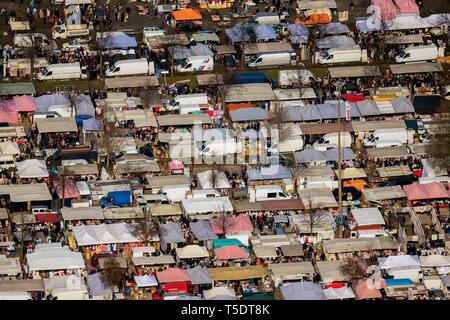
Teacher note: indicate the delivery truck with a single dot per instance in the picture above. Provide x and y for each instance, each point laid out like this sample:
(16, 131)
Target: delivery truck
(272, 59)
(265, 193)
(268, 18)
(330, 141)
(129, 67)
(188, 99)
(116, 199)
(342, 55)
(65, 31)
(62, 71)
(417, 53)
(195, 64)
(388, 137)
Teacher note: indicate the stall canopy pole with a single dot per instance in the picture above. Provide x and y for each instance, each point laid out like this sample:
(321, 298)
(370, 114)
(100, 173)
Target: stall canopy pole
(339, 153)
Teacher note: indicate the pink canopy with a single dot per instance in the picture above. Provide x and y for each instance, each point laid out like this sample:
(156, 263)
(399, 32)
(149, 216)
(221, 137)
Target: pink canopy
(427, 191)
(25, 104)
(176, 165)
(408, 7)
(172, 275)
(388, 9)
(363, 291)
(70, 192)
(240, 223)
(230, 253)
(7, 112)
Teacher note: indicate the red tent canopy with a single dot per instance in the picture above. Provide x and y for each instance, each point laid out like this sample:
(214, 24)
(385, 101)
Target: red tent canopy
(363, 290)
(416, 191)
(240, 223)
(173, 275)
(25, 104)
(231, 253)
(46, 218)
(70, 190)
(353, 97)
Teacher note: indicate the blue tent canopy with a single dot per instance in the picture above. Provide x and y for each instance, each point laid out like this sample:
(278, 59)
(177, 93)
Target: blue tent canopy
(93, 124)
(220, 243)
(398, 282)
(202, 230)
(118, 40)
(237, 34)
(299, 34)
(264, 32)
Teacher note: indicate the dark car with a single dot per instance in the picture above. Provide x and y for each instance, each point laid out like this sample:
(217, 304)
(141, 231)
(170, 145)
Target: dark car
(398, 181)
(356, 194)
(229, 61)
(188, 27)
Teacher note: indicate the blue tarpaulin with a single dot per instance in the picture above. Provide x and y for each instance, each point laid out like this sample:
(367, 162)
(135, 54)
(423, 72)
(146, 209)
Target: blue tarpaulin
(93, 124)
(220, 243)
(118, 40)
(264, 32)
(398, 282)
(237, 35)
(299, 34)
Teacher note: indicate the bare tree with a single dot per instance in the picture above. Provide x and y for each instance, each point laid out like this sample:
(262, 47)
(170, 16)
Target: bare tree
(354, 268)
(223, 223)
(109, 141)
(278, 119)
(112, 273)
(223, 82)
(145, 230)
(62, 174)
(439, 138)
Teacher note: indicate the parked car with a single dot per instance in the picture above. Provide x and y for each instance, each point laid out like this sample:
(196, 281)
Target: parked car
(229, 61)
(188, 27)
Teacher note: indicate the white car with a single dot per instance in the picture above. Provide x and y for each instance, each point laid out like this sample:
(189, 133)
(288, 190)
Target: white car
(77, 43)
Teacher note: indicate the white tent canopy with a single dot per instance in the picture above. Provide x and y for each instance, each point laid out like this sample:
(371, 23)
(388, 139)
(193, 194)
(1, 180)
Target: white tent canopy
(435, 260)
(399, 262)
(88, 235)
(145, 281)
(54, 258)
(192, 252)
(206, 179)
(9, 147)
(368, 216)
(219, 292)
(339, 293)
(27, 192)
(32, 168)
(207, 205)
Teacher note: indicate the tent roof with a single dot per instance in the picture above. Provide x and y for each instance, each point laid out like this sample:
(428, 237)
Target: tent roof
(199, 275)
(82, 213)
(383, 193)
(290, 269)
(182, 119)
(171, 233)
(58, 258)
(221, 292)
(281, 205)
(207, 205)
(352, 173)
(87, 235)
(416, 191)
(145, 281)
(334, 28)
(237, 273)
(192, 252)
(399, 261)
(27, 192)
(316, 4)
(230, 253)
(22, 285)
(367, 216)
(354, 72)
(358, 244)
(265, 252)
(131, 82)
(303, 290)
(151, 261)
(273, 172)
(97, 286)
(50, 125)
(32, 168)
(117, 40)
(339, 293)
(323, 128)
(249, 114)
(388, 152)
(81, 169)
(172, 275)
(202, 230)
(363, 291)
(249, 92)
(264, 32)
(419, 67)
(330, 271)
(25, 104)
(187, 14)
(9, 147)
(435, 260)
(317, 198)
(254, 48)
(11, 89)
(292, 250)
(165, 210)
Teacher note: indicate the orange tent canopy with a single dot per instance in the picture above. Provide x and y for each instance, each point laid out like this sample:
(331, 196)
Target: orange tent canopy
(187, 14)
(237, 106)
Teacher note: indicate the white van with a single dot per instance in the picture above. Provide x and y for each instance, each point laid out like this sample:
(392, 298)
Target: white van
(417, 53)
(341, 55)
(272, 59)
(188, 99)
(129, 67)
(264, 193)
(62, 71)
(268, 18)
(288, 78)
(153, 31)
(196, 64)
(189, 108)
(70, 30)
(386, 137)
(330, 141)
(7, 161)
